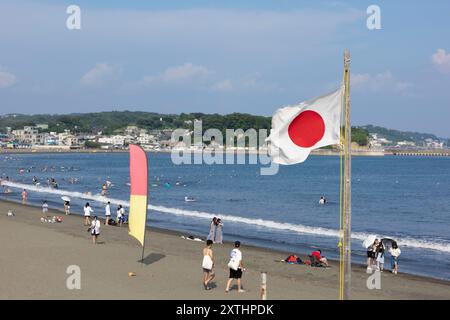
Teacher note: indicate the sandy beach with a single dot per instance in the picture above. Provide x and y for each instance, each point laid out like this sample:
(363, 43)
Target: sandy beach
(35, 257)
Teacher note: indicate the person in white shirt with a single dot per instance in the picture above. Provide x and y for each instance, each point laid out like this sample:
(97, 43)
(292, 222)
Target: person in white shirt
(236, 267)
(87, 214)
(107, 213)
(395, 254)
(120, 215)
(44, 208)
(95, 229)
(67, 207)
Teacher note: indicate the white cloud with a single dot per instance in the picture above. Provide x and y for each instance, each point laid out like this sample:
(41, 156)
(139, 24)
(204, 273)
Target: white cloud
(223, 86)
(7, 79)
(177, 74)
(441, 60)
(99, 75)
(380, 82)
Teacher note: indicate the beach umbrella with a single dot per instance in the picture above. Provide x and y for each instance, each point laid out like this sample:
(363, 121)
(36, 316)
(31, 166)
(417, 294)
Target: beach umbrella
(65, 198)
(369, 241)
(387, 242)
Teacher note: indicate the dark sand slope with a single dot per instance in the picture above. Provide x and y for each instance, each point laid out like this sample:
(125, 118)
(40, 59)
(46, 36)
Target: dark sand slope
(34, 258)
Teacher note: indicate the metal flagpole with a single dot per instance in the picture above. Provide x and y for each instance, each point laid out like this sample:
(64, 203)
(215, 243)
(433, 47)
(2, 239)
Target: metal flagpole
(347, 206)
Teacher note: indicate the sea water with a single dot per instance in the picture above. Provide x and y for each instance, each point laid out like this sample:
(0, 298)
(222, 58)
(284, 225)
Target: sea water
(404, 198)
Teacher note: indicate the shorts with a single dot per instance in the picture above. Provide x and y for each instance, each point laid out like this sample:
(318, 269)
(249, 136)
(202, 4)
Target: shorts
(235, 274)
(210, 272)
(371, 254)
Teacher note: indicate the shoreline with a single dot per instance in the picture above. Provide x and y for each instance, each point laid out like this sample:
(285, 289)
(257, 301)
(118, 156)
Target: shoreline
(165, 247)
(202, 236)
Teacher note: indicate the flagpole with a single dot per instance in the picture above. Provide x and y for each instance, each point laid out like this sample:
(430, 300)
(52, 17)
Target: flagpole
(347, 197)
(146, 212)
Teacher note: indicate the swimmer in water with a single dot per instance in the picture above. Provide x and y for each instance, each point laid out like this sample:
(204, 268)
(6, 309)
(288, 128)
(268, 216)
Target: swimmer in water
(322, 200)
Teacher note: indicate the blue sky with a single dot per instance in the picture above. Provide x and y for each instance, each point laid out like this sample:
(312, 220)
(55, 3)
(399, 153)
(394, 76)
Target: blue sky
(227, 56)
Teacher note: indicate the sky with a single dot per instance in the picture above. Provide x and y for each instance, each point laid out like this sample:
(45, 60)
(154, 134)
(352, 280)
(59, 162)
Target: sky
(227, 56)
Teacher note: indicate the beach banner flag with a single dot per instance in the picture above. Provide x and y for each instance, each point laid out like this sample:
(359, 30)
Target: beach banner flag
(299, 129)
(138, 193)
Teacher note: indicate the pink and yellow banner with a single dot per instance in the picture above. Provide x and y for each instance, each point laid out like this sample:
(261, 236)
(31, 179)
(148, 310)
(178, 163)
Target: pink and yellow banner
(138, 193)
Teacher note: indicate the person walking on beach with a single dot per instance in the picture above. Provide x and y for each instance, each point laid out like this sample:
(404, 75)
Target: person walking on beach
(87, 214)
(95, 229)
(67, 207)
(107, 213)
(44, 208)
(236, 267)
(395, 254)
(208, 264)
(24, 196)
(219, 233)
(212, 229)
(380, 257)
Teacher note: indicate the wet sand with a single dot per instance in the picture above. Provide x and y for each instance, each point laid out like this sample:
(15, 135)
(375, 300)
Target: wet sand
(35, 256)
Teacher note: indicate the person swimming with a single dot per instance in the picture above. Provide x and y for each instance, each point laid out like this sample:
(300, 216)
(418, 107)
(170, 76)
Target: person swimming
(322, 200)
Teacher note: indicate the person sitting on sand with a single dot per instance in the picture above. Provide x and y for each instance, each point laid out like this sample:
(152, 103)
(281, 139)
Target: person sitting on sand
(208, 264)
(87, 214)
(236, 267)
(395, 254)
(95, 229)
(318, 255)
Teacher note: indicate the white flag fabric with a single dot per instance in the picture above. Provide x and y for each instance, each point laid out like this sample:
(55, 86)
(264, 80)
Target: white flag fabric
(297, 130)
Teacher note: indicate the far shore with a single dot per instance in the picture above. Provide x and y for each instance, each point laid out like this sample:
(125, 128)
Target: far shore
(320, 152)
(35, 257)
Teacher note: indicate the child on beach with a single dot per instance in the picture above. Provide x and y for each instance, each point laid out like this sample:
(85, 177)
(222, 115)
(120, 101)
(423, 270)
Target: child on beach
(24, 196)
(208, 264)
(67, 207)
(44, 208)
(95, 229)
(395, 254)
(87, 213)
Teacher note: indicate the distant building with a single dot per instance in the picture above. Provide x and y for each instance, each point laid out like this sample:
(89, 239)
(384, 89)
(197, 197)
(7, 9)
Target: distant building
(28, 136)
(42, 126)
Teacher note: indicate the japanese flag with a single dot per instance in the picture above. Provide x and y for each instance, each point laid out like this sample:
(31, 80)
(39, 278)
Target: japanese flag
(297, 130)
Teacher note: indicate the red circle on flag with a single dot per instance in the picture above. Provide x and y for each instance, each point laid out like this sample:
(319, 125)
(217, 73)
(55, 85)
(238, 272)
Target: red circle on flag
(307, 129)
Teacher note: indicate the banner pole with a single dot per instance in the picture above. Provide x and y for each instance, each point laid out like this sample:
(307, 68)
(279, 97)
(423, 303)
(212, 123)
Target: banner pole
(347, 183)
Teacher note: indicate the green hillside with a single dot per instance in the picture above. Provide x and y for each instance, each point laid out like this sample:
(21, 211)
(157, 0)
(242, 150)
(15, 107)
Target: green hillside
(116, 121)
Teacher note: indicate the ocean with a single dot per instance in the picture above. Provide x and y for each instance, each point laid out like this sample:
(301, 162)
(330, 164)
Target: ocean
(404, 198)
